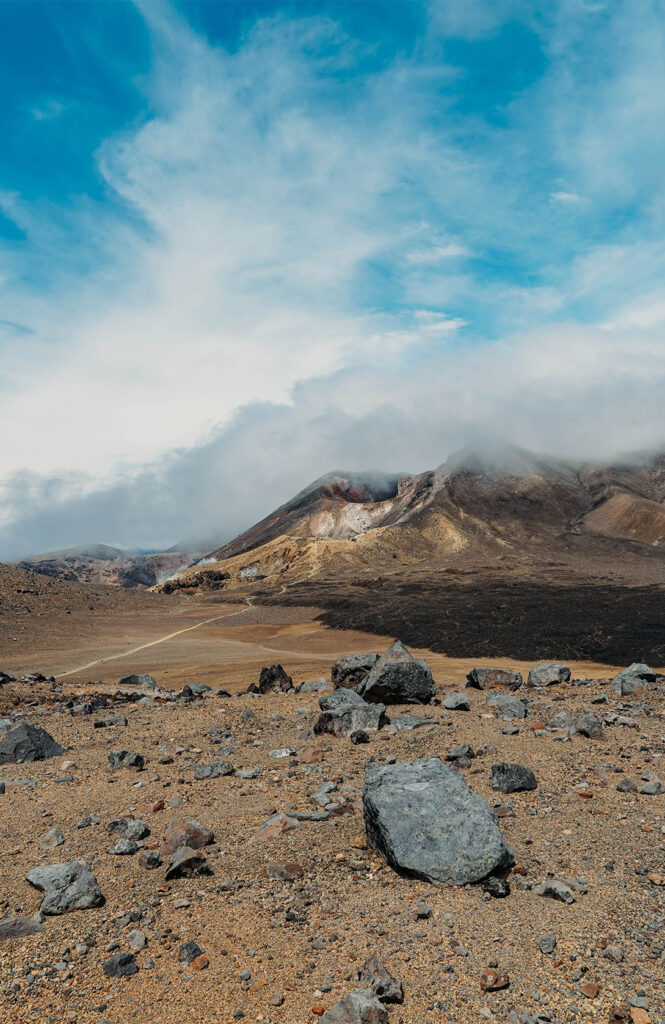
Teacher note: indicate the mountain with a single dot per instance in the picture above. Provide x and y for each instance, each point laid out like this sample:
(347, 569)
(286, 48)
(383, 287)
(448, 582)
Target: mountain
(101, 564)
(484, 508)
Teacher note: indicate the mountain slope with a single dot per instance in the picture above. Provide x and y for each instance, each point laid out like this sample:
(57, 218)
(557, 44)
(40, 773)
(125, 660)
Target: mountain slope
(493, 508)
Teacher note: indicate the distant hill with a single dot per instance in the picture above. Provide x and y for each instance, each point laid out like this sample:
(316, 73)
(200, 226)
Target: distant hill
(486, 508)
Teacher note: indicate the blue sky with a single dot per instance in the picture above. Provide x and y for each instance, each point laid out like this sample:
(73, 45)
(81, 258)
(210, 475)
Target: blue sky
(368, 228)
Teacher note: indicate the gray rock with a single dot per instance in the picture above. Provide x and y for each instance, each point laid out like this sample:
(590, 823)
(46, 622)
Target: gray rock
(512, 778)
(590, 725)
(428, 823)
(375, 976)
(652, 788)
(626, 786)
(633, 678)
(6, 725)
(614, 952)
(125, 759)
(485, 678)
(340, 698)
(19, 928)
(150, 859)
(506, 708)
(198, 689)
(350, 718)
(352, 669)
(397, 678)
(137, 940)
(282, 752)
(142, 680)
(108, 723)
(6, 678)
(53, 838)
(456, 702)
(545, 673)
(409, 722)
(188, 952)
(88, 821)
(249, 773)
(317, 686)
(122, 965)
(562, 720)
(130, 828)
(28, 743)
(555, 889)
(66, 887)
(125, 848)
(547, 943)
(510, 729)
(2, 788)
(359, 1007)
(214, 770)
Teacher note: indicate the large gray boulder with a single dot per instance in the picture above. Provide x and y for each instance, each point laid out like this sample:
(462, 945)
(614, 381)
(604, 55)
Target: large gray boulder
(547, 672)
(486, 678)
(340, 698)
(351, 669)
(505, 706)
(12, 928)
(633, 678)
(143, 679)
(349, 715)
(359, 1007)
(427, 822)
(397, 678)
(27, 743)
(66, 887)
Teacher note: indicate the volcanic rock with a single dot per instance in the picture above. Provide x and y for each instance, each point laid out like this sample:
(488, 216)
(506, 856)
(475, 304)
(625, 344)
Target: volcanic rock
(351, 669)
(506, 707)
(122, 965)
(142, 680)
(547, 672)
(130, 828)
(397, 678)
(28, 743)
(359, 1007)
(273, 678)
(66, 887)
(428, 823)
(192, 834)
(512, 778)
(456, 702)
(187, 863)
(633, 678)
(486, 678)
(124, 759)
(19, 928)
(590, 725)
(375, 976)
(351, 717)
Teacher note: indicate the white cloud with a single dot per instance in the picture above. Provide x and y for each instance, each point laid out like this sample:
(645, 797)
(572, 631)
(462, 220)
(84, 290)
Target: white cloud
(566, 197)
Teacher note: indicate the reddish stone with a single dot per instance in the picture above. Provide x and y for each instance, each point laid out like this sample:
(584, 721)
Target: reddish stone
(200, 962)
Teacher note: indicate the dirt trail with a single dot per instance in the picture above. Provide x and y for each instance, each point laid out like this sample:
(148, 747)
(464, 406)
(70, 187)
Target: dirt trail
(141, 647)
(314, 656)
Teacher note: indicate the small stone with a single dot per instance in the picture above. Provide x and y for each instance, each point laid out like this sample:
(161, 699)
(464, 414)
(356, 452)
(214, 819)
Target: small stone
(53, 838)
(125, 848)
(125, 759)
(137, 940)
(554, 889)
(613, 952)
(589, 990)
(626, 786)
(122, 965)
(512, 778)
(547, 943)
(286, 872)
(187, 863)
(200, 962)
(150, 859)
(189, 951)
(652, 788)
(492, 981)
(456, 701)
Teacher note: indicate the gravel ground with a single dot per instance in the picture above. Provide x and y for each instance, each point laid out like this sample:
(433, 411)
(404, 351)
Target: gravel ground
(300, 943)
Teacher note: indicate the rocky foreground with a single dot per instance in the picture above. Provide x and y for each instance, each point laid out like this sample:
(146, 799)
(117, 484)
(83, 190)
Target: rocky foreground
(375, 847)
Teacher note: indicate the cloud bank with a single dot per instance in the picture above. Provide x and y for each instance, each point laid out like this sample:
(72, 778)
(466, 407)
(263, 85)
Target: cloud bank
(318, 249)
